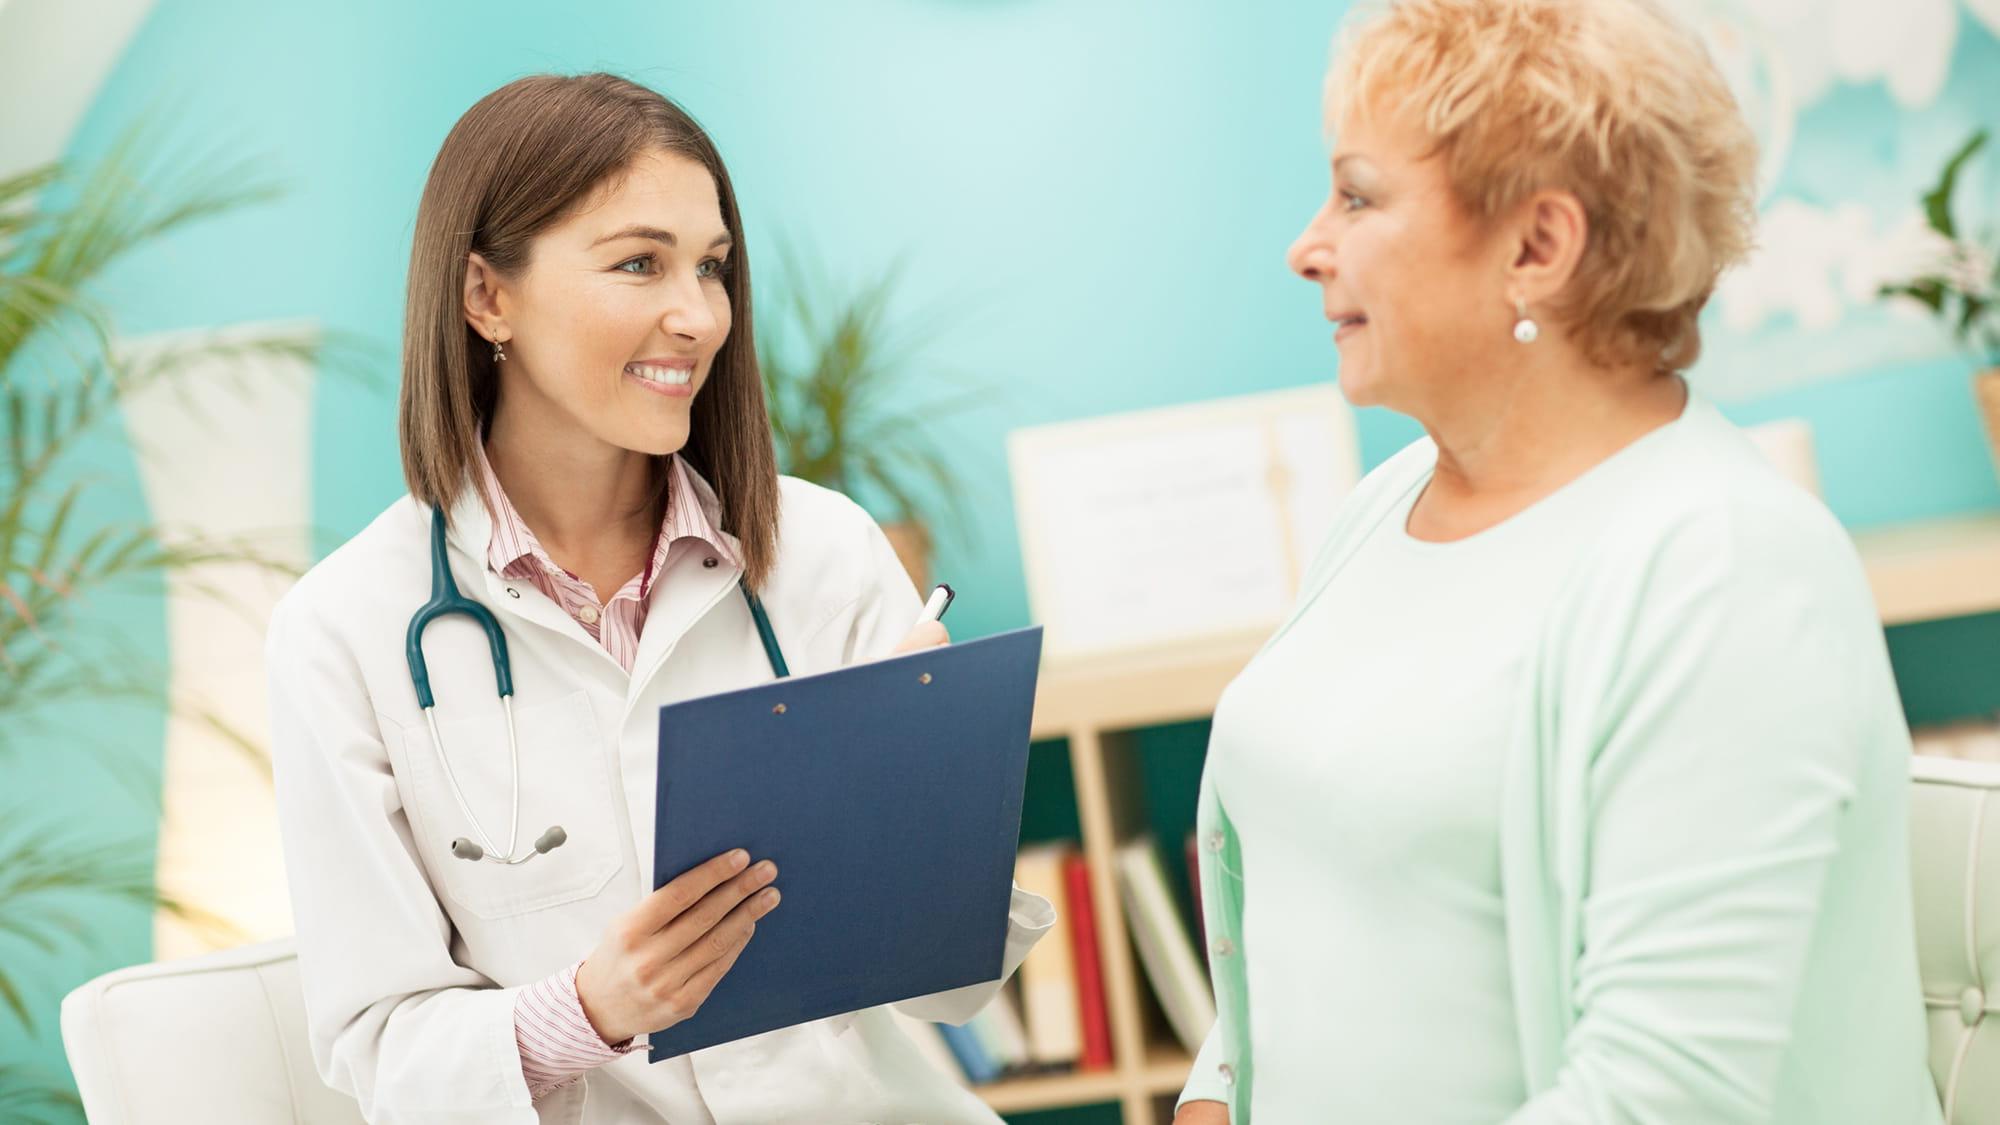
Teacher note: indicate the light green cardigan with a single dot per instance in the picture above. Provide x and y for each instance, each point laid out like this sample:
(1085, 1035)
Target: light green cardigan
(1704, 852)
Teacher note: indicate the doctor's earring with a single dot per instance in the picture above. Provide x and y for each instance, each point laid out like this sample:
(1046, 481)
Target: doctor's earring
(1525, 329)
(499, 351)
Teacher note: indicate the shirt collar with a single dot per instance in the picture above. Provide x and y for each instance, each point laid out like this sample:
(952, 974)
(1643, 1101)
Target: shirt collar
(693, 512)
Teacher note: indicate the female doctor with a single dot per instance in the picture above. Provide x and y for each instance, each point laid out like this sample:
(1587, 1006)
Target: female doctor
(595, 516)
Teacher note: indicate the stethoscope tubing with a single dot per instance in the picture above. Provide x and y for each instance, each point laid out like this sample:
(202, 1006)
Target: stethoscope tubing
(445, 599)
(514, 770)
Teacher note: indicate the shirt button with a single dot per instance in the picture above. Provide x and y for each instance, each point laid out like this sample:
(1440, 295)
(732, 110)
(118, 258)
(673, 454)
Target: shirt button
(587, 614)
(1971, 1006)
(710, 563)
(1215, 841)
(1224, 947)
(1228, 1074)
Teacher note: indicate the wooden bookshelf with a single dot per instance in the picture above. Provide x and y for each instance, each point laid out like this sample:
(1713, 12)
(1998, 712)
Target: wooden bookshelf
(1935, 569)
(1919, 572)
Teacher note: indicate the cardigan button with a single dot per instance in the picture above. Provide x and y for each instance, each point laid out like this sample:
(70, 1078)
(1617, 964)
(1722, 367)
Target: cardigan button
(1228, 1074)
(1971, 1006)
(1215, 841)
(710, 563)
(1224, 947)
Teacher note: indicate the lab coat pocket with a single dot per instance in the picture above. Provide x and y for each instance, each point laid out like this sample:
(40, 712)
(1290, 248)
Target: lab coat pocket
(565, 782)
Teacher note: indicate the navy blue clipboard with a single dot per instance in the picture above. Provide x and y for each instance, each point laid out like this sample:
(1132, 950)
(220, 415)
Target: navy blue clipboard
(888, 794)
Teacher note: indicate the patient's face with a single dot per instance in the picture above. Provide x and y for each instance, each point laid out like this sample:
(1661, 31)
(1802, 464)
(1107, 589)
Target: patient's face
(1411, 280)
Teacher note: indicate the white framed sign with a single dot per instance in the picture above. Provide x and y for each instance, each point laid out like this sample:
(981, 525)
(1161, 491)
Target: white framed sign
(1170, 525)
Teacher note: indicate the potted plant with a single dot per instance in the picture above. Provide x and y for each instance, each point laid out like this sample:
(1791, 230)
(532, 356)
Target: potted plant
(62, 380)
(1963, 287)
(845, 406)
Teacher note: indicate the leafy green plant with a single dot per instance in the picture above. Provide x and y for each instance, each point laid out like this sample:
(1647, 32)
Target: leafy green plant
(1963, 288)
(43, 873)
(31, 1096)
(846, 404)
(62, 379)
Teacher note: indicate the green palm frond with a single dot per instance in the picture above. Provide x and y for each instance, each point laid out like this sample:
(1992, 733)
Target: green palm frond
(44, 872)
(134, 193)
(48, 562)
(63, 378)
(841, 386)
(32, 1096)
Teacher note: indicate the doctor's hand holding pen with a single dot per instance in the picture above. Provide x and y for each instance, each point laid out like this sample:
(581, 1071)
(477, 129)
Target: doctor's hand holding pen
(929, 631)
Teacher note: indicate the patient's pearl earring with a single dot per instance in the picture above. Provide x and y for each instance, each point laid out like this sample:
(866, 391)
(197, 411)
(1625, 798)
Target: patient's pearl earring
(1525, 329)
(500, 351)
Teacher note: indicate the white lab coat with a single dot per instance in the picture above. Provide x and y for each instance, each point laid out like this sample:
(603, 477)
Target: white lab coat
(411, 958)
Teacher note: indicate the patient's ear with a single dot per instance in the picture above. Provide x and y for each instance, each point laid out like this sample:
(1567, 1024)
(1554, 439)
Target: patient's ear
(1550, 229)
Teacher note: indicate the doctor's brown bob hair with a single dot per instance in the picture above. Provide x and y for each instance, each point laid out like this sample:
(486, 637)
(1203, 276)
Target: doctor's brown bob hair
(518, 162)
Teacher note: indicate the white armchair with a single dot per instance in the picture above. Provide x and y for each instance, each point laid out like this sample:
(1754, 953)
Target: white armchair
(1955, 849)
(215, 1038)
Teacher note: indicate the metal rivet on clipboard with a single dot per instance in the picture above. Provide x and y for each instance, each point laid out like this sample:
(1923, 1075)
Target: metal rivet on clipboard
(925, 678)
(778, 710)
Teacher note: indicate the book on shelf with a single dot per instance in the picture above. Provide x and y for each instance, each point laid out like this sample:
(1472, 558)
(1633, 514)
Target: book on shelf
(1095, 1013)
(1049, 1001)
(929, 1041)
(998, 1026)
(973, 1060)
(988, 1047)
(1165, 950)
(1194, 894)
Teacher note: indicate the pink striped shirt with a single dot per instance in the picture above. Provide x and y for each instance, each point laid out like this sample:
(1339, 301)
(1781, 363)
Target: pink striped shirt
(555, 1038)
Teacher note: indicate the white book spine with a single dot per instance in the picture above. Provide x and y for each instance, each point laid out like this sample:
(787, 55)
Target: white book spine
(1049, 999)
(1165, 950)
(1013, 1034)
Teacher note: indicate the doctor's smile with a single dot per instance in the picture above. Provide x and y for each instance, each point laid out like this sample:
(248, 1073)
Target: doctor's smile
(673, 378)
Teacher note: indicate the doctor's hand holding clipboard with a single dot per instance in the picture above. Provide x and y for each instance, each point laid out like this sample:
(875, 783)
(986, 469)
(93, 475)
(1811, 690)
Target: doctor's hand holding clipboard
(659, 961)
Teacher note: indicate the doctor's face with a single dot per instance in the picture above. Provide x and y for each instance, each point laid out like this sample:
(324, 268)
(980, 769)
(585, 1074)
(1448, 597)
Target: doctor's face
(618, 315)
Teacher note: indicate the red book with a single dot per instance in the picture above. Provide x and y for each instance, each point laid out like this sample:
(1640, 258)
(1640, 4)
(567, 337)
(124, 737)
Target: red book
(1089, 966)
(1194, 888)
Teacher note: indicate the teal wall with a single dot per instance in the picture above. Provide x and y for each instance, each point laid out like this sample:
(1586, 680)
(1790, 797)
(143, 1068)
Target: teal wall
(1100, 194)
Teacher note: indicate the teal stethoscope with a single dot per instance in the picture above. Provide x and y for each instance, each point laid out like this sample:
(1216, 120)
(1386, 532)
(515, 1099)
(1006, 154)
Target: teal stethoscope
(445, 599)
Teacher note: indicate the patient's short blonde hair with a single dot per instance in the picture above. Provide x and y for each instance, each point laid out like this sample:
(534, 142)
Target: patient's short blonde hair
(1611, 100)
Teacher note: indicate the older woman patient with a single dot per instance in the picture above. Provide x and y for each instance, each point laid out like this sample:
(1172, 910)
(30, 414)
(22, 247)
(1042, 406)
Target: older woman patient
(1574, 789)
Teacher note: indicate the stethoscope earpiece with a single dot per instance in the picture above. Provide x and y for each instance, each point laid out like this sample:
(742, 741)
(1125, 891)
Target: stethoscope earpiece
(466, 849)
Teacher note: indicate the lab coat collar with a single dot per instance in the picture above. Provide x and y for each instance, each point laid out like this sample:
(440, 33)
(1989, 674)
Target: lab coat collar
(471, 524)
(695, 589)
(468, 535)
